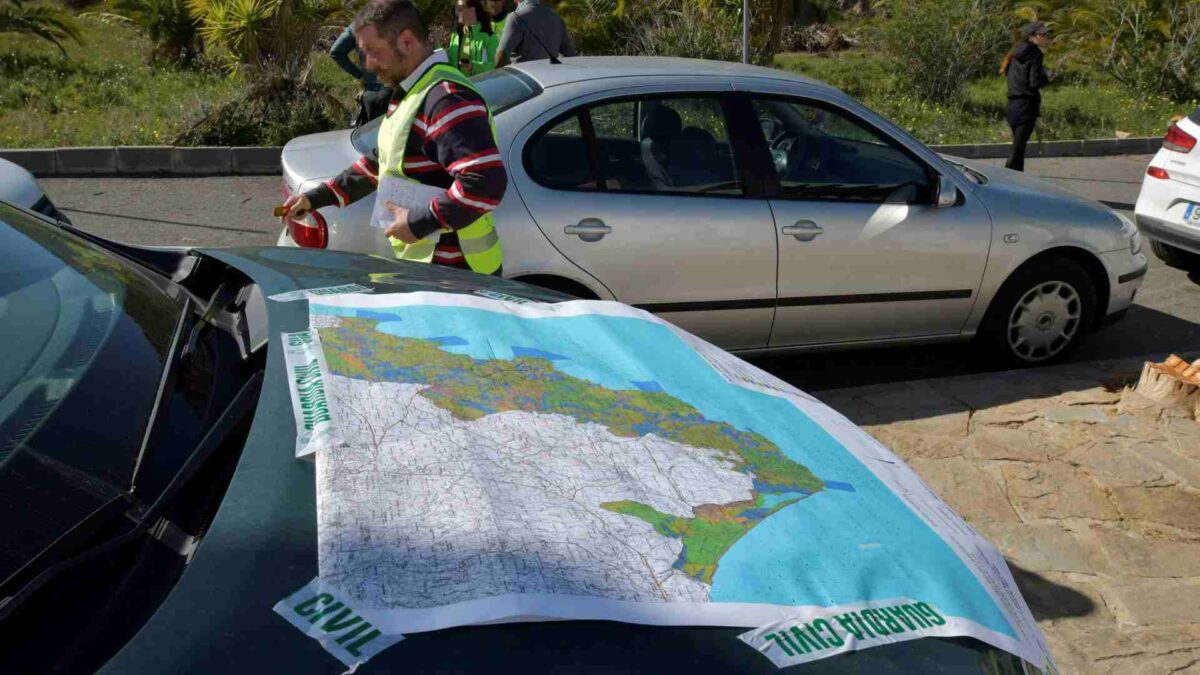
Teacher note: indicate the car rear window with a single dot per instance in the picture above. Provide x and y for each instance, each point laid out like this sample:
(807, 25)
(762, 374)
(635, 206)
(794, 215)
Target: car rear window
(502, 89)
(1195, 116)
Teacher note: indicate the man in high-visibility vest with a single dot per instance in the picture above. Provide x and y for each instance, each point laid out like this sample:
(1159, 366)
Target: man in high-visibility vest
(438, 132)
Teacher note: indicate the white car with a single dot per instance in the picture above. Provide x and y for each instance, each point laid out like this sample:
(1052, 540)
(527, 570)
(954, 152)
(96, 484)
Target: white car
(1168, 208)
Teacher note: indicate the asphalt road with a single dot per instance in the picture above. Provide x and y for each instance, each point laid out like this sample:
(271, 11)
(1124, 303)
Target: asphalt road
(232, 211)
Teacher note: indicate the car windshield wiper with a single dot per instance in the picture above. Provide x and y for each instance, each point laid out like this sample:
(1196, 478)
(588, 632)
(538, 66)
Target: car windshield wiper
(119, 505)
(76, 548)
(166, 383)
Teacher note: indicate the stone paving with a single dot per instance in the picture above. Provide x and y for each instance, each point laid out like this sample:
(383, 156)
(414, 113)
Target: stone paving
(1092, 493)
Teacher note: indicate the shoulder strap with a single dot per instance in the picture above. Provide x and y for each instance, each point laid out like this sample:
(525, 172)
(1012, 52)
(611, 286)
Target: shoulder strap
(553, 56)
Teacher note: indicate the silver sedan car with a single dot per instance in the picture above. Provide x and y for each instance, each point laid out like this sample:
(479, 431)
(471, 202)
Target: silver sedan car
(766, 211)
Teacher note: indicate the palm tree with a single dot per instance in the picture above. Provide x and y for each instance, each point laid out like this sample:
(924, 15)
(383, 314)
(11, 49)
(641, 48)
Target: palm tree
(273, 38)
(48, 23)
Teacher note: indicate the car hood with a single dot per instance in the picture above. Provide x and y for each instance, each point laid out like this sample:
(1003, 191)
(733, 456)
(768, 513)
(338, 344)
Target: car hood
(262, 544)
(1016, 198)
(317, 156)
(18, 185)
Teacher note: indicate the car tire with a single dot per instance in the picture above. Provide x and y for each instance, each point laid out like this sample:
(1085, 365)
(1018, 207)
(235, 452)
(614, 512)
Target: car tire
(1042, 312)
(1174, 257)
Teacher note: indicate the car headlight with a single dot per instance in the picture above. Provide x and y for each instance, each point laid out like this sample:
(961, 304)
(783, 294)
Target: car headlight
(1135, 243)
(1131, 233)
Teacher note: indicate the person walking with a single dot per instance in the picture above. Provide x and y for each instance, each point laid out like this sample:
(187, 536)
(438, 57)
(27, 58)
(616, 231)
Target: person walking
(533, 31)
(372, 98)
(437, 136)
(472, 47)
(1026, 72)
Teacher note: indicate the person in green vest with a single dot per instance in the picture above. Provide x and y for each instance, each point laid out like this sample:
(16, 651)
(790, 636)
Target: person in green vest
(437, 148)
(473, 45)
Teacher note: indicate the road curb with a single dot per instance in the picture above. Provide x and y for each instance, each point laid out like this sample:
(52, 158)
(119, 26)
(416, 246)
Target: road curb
(1100, 147)
(165, 160)
(147, 160)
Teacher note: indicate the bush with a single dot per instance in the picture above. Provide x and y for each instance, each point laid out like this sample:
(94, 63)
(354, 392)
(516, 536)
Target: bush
(937, 46)
(272, 112)
(595, 25)
(1152, 46)
(173, 31)
(690, 29)
(266, 39)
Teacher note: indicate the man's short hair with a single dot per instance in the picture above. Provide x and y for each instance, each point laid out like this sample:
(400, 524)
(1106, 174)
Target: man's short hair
(390, 18)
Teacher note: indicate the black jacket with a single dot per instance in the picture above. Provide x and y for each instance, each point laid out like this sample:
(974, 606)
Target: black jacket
(1026, 77)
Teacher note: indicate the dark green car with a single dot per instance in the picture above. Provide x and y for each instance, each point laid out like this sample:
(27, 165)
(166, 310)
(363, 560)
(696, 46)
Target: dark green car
(157, 511)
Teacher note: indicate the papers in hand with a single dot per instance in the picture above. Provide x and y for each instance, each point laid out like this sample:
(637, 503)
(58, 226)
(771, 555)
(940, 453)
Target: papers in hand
(401, 192)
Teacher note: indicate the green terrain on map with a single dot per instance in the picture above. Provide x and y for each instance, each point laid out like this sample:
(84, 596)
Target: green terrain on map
(471, 388)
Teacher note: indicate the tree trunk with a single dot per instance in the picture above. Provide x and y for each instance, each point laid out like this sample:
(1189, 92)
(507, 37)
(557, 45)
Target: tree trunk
(777, 22)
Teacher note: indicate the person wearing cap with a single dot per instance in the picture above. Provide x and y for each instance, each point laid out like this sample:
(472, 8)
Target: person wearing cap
(1024, 67)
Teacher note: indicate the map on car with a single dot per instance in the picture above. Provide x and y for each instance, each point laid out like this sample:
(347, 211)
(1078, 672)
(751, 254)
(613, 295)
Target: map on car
(499, 462)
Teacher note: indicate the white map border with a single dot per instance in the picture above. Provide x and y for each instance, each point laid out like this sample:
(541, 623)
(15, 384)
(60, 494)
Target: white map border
(979, 555)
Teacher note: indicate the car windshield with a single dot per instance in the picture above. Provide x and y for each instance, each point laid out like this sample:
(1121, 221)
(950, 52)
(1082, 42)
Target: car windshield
(502, 89)
(86, 337)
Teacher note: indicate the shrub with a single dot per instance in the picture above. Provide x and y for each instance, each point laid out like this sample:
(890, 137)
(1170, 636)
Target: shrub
(937, 46)
(702, 30)
(595, 25)
(272, 112)
(173, 31)
(266, 39)
(1152, 46)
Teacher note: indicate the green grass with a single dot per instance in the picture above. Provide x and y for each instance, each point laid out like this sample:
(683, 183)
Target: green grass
(1077, 106)
(104, 92)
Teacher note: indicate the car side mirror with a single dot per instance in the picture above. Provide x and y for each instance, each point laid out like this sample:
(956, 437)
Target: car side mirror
(947, 193)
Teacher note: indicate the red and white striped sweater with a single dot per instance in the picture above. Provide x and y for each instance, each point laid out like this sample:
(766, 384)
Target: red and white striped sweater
(451, 147)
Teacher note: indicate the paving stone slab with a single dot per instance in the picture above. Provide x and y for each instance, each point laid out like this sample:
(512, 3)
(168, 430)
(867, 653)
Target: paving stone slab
(969, 490)
(1177, 507)
(1056, 490)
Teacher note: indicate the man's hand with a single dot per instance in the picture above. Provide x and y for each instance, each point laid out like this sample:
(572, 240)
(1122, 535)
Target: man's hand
(399, 227)
(297, 207)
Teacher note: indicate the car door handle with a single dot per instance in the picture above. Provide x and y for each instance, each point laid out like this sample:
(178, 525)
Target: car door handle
(803, 230)
(589, 229)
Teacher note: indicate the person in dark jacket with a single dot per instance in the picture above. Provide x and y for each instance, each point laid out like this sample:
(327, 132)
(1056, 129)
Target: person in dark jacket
(1026, 72)
(374, 97)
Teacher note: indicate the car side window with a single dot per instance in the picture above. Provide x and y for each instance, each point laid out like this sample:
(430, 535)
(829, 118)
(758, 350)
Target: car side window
(558, 157)
(821, 153)
(673, 145)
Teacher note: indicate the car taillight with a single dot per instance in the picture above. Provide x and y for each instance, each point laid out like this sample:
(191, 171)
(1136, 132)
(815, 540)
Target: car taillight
(1155, 172)
(315, 235)
(1179, 140)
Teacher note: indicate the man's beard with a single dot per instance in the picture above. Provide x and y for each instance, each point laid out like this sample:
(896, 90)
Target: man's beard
(396, 74)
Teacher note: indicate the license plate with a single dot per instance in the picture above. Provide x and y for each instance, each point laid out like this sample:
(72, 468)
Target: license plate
(1192, 215)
